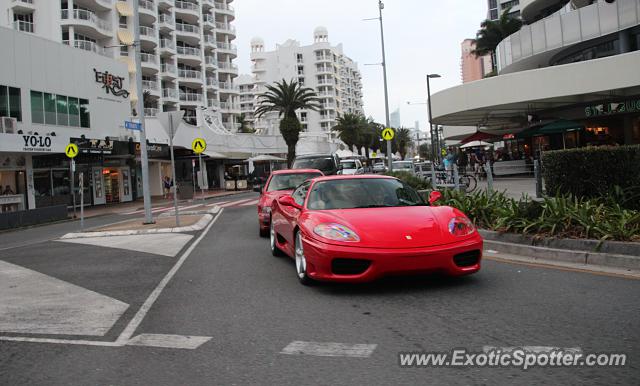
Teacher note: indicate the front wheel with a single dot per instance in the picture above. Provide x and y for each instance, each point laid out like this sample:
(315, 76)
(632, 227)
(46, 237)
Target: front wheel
(301, 262)
(275, 251)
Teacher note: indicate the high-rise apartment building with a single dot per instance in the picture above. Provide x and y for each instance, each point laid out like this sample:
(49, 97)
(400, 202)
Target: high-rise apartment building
(320, 66)
(472, 66)
(187, 51)
(247, 98)
(497, 7)
(394, 119)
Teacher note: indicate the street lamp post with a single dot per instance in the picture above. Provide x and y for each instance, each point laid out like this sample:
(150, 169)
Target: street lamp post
(144, 159)
(434, 134)
(386, 93)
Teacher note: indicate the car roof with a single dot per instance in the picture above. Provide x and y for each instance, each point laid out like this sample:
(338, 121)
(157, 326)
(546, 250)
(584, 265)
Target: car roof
(352, 177)
(314, 155)
(297, 171)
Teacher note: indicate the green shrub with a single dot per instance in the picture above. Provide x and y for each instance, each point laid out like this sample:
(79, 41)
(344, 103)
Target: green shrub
(411, 180)
(594, 172)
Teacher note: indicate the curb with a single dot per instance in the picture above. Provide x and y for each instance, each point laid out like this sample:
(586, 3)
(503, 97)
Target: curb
(612, 260)
(200, 225)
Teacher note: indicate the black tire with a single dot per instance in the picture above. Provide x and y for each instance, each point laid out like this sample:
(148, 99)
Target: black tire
(264, 232)
(275, 251)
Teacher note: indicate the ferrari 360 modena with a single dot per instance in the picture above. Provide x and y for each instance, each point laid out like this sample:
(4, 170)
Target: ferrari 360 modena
(361, 228)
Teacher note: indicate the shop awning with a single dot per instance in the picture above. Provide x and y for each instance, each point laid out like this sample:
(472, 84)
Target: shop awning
(124, 9)
(479, 136)
(560, 126)
(125, 36)
(214, 154)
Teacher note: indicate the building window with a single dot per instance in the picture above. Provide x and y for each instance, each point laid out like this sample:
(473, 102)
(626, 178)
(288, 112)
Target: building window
(299, 58)
(59, 110)
(37, 111)
(494, 14)
(123, 21)
(62, 110)
(10, 103)
(49, 109)
(74, 112)
(84, 113)
(301, 81)
(300, 70)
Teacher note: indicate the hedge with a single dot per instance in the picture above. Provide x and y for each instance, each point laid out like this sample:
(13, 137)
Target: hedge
(592, 172)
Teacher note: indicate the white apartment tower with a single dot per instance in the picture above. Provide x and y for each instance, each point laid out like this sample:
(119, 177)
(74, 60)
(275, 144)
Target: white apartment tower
(320, 66)
(187, 54)
(497, 7)
(247, 98)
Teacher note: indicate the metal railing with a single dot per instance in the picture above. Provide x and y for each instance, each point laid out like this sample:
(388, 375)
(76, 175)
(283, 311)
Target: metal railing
(167, 19)
(187, 28)
(146, 4)
(167, 43)
(147, 31)
(150, 111)
(186, 5)
(190, 74)
(150, 85)
(227, 66)
(211, 60)
(84, 15)
(228, 86)
(188, 51)
(223, 7)
(225, 27)
(168, 68)
(87, 46)
(170, 93)
(190, 97)
(211, 39)
(226, 46)
(148, 58)
(212, 82)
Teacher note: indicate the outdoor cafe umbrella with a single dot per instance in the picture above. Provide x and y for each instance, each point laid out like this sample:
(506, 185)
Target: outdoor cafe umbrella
(475, 144)
(265, 157)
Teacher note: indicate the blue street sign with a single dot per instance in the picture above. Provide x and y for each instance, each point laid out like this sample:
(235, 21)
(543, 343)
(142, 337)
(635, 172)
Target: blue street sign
(132, 125)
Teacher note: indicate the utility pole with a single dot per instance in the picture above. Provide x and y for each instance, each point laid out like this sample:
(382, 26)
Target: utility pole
(386, 94)
(144, 159)
(434, 133)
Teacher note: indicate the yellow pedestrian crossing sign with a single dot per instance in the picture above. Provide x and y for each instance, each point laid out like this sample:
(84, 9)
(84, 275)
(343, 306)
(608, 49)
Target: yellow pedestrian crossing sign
(198, 145)
(71, 150)
(388, 134)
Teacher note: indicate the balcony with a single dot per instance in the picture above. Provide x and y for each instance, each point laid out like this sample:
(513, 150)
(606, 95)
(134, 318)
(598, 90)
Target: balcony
(230, 107)
(149, 61)
(212, 82)
(22, 6)
(187, 7)
(209, 21)
(228, 87)
(210, 40)
(190, 97)
(324, 58)
(227, 67)
(150, 85)
(188, 30)
(535, 44)
(168, 70)
(147, 10)
(227, 47)
(170, 93)
(226, 28)
(87, 46)
(164, 4)
(214, 104)
(189, 51)
(86, 23)
(148, 34)
(166, 22)
(224, 8)
(168, 45)
(23, 26)
(211, 61)
(326, 82)
(324, 69)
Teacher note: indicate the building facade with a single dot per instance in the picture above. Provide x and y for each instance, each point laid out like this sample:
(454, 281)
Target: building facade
(497, 7)
(187, 51)
(573, 63)
(247, 98)
(320, 66)
(472, 67)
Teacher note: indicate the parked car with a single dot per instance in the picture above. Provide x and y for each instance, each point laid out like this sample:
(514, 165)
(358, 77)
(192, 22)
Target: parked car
(403, 166)
(423, 169)
(361, 228)
(280, 183)
(379, 165)
(328, 164)
(351, 166)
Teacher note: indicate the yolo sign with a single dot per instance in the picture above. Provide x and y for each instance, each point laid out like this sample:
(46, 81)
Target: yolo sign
(36, 143)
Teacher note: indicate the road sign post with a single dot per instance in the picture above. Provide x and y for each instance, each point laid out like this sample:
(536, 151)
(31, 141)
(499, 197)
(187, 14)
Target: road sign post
(72, 151)
(81, 183)
(387, 135)
(198, 146)
(170, 120)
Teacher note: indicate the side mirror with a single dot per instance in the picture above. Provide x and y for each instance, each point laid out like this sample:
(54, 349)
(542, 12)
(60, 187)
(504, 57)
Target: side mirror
(434, 196)
(289, 201)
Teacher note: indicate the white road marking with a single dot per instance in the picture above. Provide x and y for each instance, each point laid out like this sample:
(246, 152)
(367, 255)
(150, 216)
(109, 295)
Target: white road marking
(127, 333)
(32, 302)
(534, 349)
(59, 341)
(254, 202)
(329, 349)
(235, 203)
(217, 203)
(164, 244)
(169, 341)
(491, 251)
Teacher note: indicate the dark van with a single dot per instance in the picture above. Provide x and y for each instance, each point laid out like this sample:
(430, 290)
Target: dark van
(328, 164)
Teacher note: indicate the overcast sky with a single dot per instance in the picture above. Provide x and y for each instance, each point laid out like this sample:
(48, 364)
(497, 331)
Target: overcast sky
(421, 36)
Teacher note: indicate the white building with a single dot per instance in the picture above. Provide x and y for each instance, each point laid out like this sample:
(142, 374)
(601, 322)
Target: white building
(247, 98)
(394, 119)
(187, 54)
(578, 63)
(497, 7)
(320, 66)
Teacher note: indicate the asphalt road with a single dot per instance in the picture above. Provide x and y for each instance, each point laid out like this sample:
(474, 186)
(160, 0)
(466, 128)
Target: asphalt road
(231, 289)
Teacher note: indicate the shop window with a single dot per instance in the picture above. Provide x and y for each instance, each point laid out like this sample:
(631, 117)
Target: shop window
(49, 109)
(4, 101)
(62, 110)
(42, 183)
(37, 109)
(61, 182)
(74, 112)
(84, 113)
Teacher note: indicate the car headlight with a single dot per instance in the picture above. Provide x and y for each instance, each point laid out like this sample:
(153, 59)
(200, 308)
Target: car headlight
(461, 226)
(266, 209)
(336, 232)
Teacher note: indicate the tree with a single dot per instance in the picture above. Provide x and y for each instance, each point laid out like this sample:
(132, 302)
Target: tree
(368, 135)
(376, 129)
(424, 150)
(403, 141)
(492, 32)
(244, 125)
(286, 98)
(349, 129)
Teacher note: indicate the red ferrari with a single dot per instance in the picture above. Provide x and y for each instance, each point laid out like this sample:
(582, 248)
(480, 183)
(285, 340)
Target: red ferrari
(280, 183)
(360, 228)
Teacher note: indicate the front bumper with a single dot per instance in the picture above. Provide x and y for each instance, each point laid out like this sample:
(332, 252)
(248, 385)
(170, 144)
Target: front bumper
(387, 262)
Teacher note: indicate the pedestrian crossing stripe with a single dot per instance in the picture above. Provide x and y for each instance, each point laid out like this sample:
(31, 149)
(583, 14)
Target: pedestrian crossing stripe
(198, 145)
(388, 134)
(71, 150)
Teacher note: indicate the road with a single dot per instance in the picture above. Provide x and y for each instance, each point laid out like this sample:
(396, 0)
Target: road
(249, 308)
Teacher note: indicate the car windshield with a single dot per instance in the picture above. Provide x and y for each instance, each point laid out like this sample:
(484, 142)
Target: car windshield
(323, 163)
(349, 164)
(289, 181)
(362, 193)
(403, 165)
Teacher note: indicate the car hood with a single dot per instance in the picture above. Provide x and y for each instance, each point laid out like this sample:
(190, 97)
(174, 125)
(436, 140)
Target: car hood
(397, 227)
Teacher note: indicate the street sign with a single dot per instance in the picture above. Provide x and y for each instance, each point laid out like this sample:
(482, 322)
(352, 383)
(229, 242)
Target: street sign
(170, 120)
(132, 125)
(374, 154)
(443, 151)
(198, 145)
(388, 134)
(71, 150)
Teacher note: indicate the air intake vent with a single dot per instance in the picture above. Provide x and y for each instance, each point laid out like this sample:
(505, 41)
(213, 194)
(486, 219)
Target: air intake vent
(349, 266)
(467, 259)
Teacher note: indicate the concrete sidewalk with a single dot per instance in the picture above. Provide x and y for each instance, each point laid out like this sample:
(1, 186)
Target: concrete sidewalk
(156, 201)
(514, 187)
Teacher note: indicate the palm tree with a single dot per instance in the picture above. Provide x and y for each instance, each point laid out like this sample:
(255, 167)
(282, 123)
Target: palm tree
(244, 124)
(403, 141)
(376, 129)
(349, 128)
(492, 32)
(369, 135)
(286, 98)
